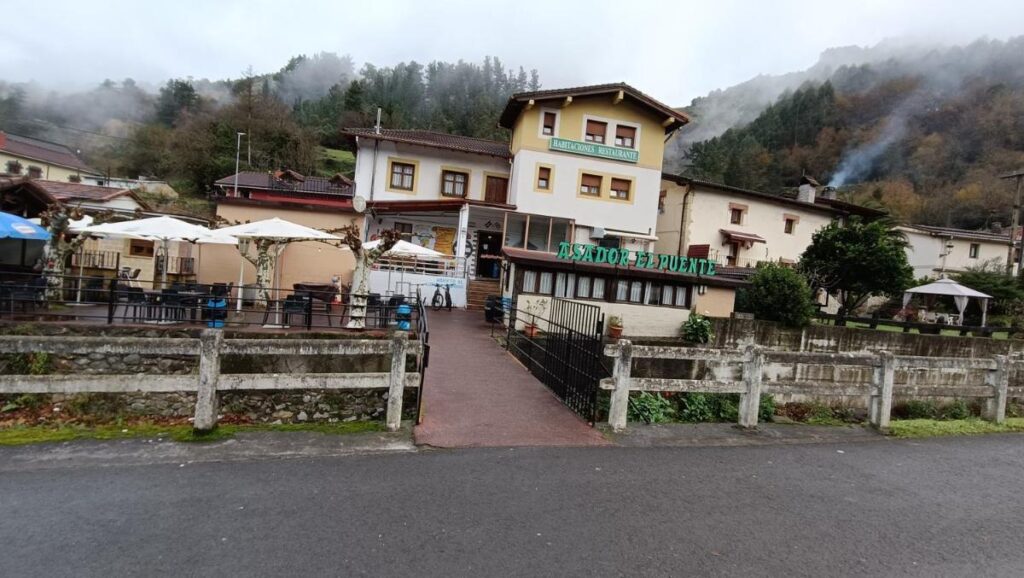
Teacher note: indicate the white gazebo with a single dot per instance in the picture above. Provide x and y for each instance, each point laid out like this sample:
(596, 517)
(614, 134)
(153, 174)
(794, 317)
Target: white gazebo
(950, 288)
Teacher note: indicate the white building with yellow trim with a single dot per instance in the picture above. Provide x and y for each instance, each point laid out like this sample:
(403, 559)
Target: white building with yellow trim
(583, 166)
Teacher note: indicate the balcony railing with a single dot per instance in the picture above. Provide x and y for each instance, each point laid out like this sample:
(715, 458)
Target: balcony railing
(178, 265)
(439, 267)
(108, 260)
(725, 260)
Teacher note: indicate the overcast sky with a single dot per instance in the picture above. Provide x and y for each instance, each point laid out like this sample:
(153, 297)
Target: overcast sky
(674, 50)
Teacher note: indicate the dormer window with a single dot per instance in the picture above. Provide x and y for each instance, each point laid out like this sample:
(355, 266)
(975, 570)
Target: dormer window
(625, 136)
(548, 126)
(596, 131)
(35, 172)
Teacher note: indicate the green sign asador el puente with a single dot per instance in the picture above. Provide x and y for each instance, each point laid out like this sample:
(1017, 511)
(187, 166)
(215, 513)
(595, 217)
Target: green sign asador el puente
(586, 253)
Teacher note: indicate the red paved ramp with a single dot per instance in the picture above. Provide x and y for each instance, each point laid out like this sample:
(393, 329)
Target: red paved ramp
(477, 395)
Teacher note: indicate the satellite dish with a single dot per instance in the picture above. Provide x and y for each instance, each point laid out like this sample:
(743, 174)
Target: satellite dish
(359, 204)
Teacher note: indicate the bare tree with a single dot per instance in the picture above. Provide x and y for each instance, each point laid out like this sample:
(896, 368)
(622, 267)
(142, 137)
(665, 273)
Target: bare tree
(365, 258)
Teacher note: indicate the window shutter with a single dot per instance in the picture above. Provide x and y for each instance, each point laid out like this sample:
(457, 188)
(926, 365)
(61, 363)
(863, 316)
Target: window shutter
(596, 127)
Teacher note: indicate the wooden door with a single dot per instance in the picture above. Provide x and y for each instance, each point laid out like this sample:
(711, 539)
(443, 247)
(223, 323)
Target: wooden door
(496, 190)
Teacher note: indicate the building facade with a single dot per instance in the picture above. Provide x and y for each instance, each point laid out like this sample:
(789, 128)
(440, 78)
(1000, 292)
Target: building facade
(582, 171)
(39, 159)
(936, 251)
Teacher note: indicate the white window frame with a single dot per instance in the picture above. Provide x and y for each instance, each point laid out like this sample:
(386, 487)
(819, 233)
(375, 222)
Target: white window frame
(636, 136)
(540, 123)
(609, 128)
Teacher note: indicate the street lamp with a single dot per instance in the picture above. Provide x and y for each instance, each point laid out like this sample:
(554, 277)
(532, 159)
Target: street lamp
(238, 150)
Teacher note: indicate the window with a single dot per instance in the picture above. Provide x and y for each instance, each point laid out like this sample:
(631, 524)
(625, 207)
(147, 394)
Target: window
(548, 126)
(537, 233)
(583, 287)
(590, 185)
(404, 231)
(597, 291)
(621, 289)
(529, 281)
(610, 242)
(453, 183)
(74, 179)
(636, 292)
(545, 283)
(666, 294)
(790, 226)
(620, 189)
(14, 167)
(140, 248)
(736, 216)
(35, 172)
(596, 131)
(560, 285)
(973, 251)
(682, 297)
(625, 136)
(654, 293)
(544, 178)
(402, 176)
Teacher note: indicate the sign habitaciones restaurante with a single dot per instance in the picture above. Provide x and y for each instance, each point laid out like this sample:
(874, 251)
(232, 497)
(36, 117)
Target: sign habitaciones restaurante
(586, 253)
(593, 150)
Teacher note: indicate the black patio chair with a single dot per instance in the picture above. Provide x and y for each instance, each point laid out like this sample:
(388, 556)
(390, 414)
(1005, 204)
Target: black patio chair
(30, 294)
(135, 299)
(170, 306)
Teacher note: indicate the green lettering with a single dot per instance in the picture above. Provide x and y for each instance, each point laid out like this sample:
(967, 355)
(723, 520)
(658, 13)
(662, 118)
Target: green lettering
(663, 262)
(577, 251)
(711, 268)
(601, 255)
(624, 257)
(640, 259)
(563, 250)
(613, 256)
(588, 253)
(703, 263)
(650, 260)
(693, 265)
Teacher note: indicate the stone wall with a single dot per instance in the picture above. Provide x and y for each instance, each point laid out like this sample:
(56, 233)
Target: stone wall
(258, 406)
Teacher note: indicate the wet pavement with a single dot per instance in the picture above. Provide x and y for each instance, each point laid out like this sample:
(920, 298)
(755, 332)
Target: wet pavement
(478, 395)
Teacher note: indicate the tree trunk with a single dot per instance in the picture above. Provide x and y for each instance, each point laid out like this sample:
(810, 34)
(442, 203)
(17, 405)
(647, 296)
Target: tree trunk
(55, 255)
(360, 288)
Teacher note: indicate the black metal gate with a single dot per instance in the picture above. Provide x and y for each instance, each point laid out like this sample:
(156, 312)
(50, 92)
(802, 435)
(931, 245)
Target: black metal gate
(561, 345)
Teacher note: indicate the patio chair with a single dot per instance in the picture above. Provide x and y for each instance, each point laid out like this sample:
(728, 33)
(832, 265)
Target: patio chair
(31, 294)
(134, 299)
(171, 308)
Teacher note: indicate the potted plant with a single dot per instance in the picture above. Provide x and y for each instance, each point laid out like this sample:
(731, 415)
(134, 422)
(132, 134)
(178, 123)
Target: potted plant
(614, 326)
(533, 309)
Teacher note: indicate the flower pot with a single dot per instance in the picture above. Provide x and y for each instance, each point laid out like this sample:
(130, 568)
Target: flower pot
(531, 331)
(614, 331)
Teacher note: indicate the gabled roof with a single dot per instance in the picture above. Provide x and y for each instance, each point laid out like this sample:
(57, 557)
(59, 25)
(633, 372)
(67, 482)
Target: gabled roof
(288, 181)
(517, 102)
(71, 193)
(43, 151)
(821, 204)
(962, 233)
(433, 139)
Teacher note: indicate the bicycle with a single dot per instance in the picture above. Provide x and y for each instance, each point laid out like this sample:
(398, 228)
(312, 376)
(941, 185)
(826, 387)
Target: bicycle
(437, 301)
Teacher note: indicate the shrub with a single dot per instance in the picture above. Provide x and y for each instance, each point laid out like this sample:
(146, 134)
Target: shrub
(915, 409)
(696, 329)
(956, 410)
(780, 294)
(650, 408)
(718, 407)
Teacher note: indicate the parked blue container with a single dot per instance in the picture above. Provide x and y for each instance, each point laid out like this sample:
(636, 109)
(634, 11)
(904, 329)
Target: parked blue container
(403, 314)
(217, 308)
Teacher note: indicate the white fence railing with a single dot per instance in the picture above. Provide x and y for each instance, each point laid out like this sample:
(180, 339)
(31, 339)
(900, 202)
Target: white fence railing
(752, 383)
(210, 346)
(438, 267)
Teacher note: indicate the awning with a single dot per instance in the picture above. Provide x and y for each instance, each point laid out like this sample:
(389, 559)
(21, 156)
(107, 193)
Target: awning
(741, 236)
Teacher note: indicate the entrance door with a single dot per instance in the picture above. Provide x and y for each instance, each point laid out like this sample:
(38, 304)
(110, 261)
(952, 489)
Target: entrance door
(488, 254)
(496, 190)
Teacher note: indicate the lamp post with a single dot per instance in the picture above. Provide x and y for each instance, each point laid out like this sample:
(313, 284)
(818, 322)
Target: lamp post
(238, 151)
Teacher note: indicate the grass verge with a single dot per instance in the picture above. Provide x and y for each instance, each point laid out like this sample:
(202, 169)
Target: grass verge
(920, 428)
(20, 435)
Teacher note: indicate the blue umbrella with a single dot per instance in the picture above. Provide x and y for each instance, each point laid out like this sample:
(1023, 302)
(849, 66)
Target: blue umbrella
(14, 227)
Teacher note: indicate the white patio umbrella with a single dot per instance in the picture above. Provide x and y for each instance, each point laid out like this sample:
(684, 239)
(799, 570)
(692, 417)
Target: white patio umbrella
(405, 248)
(281, 232)
(163, 229)
(948, 287)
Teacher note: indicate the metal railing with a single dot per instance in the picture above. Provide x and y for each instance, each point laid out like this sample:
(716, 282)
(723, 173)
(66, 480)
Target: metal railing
(109, 260)
(124, 301)
(178, 265)
(438, 267)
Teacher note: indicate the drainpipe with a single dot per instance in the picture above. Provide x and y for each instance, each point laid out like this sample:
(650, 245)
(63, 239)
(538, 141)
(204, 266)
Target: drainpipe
(682, 219)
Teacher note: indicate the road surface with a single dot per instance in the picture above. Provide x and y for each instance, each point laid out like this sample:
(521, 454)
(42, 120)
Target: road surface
(948, 507)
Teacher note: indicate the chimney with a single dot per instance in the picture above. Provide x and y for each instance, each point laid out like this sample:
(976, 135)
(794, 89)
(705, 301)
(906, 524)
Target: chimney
(808, 189)
(829, 193)
(996, 227)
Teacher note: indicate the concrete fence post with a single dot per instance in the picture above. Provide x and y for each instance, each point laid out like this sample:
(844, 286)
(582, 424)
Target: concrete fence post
(396, 389)
(999, 380)
(881, 402)
(619, 406)
(210, 341)
(750, 400)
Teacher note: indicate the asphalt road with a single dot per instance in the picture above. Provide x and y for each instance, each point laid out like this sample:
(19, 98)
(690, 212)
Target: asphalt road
(949, 507)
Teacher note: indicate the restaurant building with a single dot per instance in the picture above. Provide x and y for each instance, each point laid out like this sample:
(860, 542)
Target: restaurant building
(526, 219)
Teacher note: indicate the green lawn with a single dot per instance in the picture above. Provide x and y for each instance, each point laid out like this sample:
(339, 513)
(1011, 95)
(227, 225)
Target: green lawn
(19, 435)
(895, 329)
(919, 428)
(334, 161)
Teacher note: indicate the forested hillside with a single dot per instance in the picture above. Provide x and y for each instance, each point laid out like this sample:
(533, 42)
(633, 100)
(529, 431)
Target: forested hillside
(925, 136)
(186, 130)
